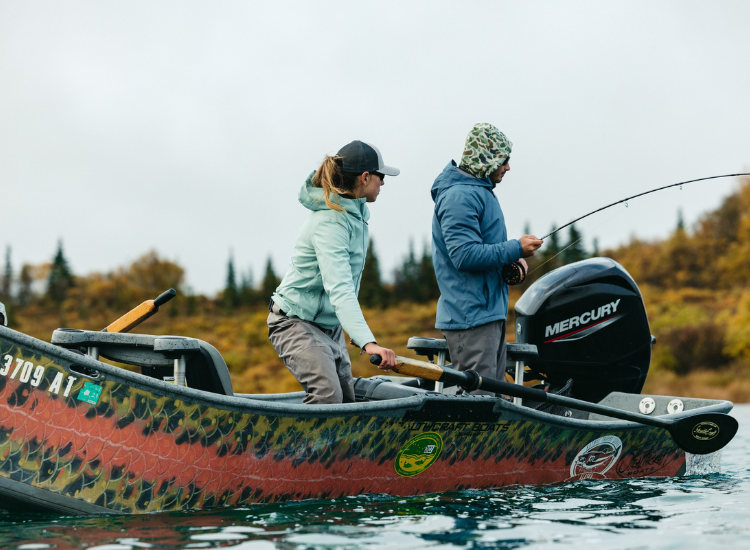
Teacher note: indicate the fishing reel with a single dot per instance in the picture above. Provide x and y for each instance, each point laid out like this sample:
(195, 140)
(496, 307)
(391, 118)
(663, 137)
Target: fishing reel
(514, 274)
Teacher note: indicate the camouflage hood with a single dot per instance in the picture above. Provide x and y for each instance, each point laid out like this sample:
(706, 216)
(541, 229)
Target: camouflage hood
(485, 150)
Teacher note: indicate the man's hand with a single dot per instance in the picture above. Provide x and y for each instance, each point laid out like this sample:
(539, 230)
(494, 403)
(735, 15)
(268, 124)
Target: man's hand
(530, 244)
(524, 264)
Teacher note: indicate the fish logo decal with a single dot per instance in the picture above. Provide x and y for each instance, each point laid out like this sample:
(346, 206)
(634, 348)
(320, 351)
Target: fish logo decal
(418, 454)
(596, 458)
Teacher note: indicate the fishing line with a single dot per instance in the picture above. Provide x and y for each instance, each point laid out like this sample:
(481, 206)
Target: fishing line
(640, 195)
(579, 238)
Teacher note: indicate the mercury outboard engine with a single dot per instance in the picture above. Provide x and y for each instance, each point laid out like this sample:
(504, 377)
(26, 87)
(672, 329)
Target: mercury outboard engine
(589, 324)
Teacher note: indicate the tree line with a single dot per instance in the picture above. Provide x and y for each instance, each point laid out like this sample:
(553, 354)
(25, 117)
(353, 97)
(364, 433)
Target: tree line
(50, 284)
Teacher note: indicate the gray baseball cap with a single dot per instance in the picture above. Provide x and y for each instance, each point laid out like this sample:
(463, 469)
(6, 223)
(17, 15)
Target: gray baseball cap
(359, 157)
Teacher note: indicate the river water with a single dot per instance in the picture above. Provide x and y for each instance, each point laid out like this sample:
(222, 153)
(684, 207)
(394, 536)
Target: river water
(706, 512)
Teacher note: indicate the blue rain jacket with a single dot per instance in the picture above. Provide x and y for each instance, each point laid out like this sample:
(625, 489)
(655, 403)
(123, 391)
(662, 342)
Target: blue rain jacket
(469, 248)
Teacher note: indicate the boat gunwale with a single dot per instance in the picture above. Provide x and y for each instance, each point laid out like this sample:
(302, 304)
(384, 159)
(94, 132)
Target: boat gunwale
(390, 407)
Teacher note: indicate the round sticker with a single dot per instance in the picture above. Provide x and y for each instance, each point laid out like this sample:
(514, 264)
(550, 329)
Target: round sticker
(705, 431)
(418, 454)
(596, 458)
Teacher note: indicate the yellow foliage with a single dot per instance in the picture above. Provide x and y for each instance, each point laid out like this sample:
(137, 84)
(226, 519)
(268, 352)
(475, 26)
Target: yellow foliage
(738, 329)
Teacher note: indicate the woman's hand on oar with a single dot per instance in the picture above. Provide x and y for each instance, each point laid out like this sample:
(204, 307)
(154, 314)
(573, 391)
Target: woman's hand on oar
(699, 433)
(386, 357)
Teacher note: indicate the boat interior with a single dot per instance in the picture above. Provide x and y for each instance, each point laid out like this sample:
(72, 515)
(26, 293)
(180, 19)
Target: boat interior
(205, 369)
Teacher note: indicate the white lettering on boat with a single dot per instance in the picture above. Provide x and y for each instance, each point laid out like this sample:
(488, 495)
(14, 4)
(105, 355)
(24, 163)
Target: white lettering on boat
(28, 374)
(581, 320)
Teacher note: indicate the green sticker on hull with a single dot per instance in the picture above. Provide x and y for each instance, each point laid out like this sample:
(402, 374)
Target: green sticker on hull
(418, 454)
(90, 393)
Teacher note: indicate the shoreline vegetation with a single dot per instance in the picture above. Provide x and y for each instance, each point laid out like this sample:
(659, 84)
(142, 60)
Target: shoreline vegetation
(695, 284)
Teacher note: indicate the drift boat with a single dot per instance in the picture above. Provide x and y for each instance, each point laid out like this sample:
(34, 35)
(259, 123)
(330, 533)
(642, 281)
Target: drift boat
(78, 435)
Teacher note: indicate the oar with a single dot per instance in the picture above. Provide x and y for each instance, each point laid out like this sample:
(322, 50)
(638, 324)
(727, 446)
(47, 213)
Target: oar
(700, 434)
(136, 316)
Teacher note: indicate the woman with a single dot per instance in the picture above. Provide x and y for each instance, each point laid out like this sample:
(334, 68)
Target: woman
(318, 296)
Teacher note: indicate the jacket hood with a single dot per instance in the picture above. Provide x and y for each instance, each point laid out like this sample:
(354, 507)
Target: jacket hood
(452, 175)
(312, 198)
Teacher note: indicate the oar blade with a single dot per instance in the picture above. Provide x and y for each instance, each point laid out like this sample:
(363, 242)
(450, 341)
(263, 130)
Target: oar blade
(704, 433)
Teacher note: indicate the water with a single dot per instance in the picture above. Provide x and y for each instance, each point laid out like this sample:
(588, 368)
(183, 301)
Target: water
(711, 511)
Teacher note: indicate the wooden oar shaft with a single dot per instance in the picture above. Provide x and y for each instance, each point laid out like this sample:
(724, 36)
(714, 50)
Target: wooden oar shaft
(136, 316)
(420, 369)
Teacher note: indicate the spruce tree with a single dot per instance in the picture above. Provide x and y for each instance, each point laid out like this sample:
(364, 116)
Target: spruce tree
(270, 282)
(574, 251)
(549, 256)
(406, 278)
(595, 252)
(248, 295)
(6, 288)
(231, 295)
(371, 290)
(428, 286)
(25, 279)
(60, 277)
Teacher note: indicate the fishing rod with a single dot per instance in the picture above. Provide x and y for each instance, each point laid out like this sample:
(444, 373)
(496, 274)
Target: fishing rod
(640, 195)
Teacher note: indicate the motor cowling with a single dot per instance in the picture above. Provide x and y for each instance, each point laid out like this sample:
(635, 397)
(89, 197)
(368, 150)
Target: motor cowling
(589, 324)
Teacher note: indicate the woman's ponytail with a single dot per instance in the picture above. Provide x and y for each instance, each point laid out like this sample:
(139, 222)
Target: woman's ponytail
(333, 181)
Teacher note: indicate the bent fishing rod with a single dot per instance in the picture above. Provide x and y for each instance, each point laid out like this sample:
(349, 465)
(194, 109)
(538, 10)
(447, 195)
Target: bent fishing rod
(640, 195)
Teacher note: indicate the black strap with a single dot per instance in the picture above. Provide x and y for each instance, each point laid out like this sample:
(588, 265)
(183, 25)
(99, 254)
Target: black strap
(271, 303)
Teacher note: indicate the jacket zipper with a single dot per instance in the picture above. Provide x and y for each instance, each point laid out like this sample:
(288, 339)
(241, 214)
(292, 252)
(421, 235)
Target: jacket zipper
(364, 255)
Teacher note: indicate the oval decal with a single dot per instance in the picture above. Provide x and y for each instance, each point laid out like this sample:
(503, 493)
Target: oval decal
(418, 454)
(705, 431)
(596, 458)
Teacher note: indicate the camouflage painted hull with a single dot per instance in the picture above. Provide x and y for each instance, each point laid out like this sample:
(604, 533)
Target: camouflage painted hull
(139, 445)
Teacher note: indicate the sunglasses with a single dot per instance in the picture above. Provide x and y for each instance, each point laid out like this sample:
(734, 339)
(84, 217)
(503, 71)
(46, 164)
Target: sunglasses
(378, 174)
(506, 162)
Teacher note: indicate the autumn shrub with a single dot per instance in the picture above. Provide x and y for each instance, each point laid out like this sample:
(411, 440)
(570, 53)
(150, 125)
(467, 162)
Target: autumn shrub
(695, 347)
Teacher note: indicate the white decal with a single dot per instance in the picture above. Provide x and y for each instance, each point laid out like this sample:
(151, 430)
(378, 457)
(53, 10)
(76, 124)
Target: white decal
(54, 387)
(28, 366)
(71, 379)
(19, 362)
(8, 363)
(38, 373)
(596, 458)
(581, 320)
(35, 375)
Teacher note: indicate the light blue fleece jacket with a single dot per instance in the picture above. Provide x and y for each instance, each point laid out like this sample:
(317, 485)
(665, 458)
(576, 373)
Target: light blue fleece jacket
(322, 283)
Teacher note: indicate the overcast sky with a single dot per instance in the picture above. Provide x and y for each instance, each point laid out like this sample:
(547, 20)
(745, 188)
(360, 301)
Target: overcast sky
(188, 127)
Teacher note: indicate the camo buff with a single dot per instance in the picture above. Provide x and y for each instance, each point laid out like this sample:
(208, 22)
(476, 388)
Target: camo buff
(486, 148)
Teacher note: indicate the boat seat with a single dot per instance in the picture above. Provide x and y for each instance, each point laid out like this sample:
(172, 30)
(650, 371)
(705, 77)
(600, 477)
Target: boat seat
(205, 368)
(434, 346)
(429, 347)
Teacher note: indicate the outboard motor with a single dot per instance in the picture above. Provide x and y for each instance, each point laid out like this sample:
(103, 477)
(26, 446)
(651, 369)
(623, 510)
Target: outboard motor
(589, 324)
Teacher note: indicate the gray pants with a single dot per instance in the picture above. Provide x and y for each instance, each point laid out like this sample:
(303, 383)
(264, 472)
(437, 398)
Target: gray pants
(317, 358)
(481, 349)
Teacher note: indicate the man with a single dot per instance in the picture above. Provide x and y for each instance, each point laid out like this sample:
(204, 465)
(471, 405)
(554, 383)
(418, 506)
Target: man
(470, 246)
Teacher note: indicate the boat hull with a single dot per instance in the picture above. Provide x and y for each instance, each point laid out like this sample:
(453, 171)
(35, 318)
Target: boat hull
(142, 445)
